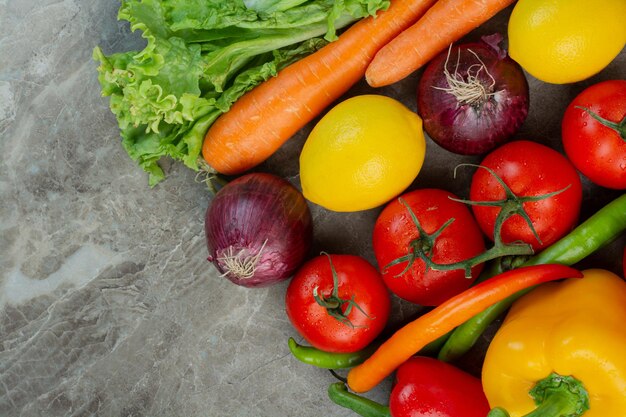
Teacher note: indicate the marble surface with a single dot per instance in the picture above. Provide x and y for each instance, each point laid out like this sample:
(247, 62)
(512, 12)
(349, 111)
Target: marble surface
(107, 303)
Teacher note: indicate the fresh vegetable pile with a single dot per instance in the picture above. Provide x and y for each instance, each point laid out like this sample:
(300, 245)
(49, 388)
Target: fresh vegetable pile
(221, 86)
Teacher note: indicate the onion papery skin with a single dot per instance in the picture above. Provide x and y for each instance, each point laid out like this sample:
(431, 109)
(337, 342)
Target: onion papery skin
(260, 216)
(473, 129)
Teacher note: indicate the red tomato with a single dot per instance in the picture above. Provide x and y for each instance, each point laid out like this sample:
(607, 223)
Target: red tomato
(357, 280)
(394, 231)
(528, 169)
(595, 149)
(427, 387)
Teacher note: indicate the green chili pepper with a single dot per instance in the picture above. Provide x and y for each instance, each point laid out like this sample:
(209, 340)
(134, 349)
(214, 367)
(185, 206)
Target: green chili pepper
(597, 231)
(339, 394)
(329, 360)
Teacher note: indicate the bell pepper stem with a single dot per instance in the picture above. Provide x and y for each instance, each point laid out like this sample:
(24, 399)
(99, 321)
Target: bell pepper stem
(555, 396)
(339, 394)
(498, 412)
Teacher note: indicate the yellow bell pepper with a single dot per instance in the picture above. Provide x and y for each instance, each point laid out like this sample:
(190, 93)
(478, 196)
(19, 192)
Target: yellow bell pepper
(561, 351)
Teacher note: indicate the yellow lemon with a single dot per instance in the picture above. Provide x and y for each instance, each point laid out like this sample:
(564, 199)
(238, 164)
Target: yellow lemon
(564, 41)
(362, 153)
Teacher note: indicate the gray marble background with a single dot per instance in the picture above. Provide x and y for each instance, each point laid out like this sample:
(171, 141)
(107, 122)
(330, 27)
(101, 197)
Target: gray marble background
(107, 303)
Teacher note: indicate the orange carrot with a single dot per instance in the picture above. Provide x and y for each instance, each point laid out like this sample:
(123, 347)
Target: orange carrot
(265, 117)
(411, 338)
(444, 23)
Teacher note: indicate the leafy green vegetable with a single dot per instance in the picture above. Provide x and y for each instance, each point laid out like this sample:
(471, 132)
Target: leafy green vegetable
(200, 57)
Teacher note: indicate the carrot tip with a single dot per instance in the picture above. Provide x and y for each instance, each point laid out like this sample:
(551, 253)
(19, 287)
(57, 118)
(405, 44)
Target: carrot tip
(372, 82)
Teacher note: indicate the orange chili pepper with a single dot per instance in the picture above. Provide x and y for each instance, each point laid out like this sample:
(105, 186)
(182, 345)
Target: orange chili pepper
(412, 337)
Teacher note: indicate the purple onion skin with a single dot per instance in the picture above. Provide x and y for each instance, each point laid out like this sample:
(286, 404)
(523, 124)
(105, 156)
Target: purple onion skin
(473, 129)
(254, 213)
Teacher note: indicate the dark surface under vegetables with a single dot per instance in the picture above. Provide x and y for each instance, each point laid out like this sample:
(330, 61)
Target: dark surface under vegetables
(114, 310)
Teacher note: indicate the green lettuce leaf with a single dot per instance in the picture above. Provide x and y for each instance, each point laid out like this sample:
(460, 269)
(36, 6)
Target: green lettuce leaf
(200, 57)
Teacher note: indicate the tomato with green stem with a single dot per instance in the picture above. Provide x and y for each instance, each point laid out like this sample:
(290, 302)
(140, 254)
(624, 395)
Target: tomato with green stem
(430, 222)
(338, 303)
(539, 185)
(594, 133)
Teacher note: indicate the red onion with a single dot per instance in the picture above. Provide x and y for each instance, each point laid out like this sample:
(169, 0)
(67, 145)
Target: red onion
(473, 97)
(258, 230)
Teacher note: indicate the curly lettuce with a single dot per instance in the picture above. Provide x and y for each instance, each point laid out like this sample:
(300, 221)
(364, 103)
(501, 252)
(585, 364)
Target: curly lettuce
(200, 57)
